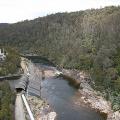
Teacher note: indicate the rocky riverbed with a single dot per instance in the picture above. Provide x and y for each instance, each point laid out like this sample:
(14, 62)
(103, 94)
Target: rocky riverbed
(40, 109)
(91, 97)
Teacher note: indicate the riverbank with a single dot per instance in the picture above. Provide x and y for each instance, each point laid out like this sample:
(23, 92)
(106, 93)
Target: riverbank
(89, 96)
(37, 71)
(40, 109)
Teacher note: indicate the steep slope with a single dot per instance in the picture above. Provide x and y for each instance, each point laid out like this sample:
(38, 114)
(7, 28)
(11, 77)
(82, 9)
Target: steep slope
(61, 35)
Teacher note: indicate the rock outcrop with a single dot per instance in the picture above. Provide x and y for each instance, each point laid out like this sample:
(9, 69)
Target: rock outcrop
(40, 109)
(91, 97)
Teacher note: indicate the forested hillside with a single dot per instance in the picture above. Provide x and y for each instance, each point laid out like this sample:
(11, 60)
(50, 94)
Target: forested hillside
(11, 64)
(88, 40)
(7, 99)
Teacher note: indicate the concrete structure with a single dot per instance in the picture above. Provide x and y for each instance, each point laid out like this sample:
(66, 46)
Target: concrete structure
(23, 84)
(19, 108)
(2, 55)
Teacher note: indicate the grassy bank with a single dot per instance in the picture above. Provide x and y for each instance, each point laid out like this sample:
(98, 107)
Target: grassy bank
(7, 99)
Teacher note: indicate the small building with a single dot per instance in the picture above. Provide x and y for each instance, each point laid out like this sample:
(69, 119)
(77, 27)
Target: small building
(2, 55)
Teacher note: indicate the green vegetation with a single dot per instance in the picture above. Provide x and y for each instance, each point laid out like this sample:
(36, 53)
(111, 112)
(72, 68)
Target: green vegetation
(88, 40)
(6, 102)
(11, 63)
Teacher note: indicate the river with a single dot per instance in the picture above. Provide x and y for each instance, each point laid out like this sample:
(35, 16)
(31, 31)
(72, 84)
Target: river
(60, 95)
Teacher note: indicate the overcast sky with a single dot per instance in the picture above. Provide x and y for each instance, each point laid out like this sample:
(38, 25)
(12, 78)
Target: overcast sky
(17, 10)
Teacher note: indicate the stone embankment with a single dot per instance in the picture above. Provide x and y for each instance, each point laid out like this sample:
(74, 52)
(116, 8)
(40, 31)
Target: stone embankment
(40, 109)
(91, 97)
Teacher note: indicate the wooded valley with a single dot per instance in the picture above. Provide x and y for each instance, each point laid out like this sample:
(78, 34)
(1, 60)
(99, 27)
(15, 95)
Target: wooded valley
(86, 40)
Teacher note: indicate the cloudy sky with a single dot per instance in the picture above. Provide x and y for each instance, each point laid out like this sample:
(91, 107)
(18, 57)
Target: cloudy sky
(17, 10)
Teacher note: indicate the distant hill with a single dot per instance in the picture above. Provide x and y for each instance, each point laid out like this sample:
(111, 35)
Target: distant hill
(87, 40)
(68, 39)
